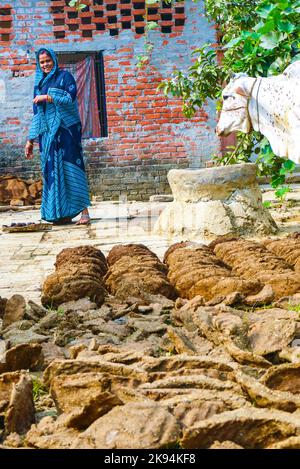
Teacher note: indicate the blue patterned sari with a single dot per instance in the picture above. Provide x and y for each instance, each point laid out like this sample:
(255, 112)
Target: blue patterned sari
(58, 127)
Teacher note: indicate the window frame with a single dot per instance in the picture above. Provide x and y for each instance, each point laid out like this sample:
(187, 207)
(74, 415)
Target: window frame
(74, 57)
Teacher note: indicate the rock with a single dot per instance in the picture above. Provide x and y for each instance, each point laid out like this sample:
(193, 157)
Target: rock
(22, 325)
(184, 362)
(14, 310)
(181, 341)
(37, 310)
(20, 412)
(291, 354)
(145, 309)
(85, 397)
(284, 377)
(290, 443)
(47, 322)
(287, 302)
(22, 356)
(147, 325)
(246, 357)
(270, 335)
(264, 297)
(264, 397)
(51, 352)
(191, 381)
(7, 381)
(3, 302)
(3, 346)
(133, 426)
(83, 305)
(51, 434)
(17, 337)
(225, 445)
(13, 440)
(250, 428)
(16, 191)
(199, 404)
(97, 364)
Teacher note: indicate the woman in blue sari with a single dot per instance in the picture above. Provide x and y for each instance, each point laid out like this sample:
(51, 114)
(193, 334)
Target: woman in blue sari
(56, 123)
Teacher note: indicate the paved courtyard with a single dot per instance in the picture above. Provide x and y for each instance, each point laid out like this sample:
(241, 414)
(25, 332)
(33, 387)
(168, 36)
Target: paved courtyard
(27, 258)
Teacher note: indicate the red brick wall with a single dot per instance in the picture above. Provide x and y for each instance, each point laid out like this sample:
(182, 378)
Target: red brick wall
(147, 133)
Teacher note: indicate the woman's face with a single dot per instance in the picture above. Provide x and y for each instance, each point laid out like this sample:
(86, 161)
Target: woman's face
(46, 63)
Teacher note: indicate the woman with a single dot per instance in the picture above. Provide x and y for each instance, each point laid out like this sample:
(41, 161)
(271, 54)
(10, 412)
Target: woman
(56, 123)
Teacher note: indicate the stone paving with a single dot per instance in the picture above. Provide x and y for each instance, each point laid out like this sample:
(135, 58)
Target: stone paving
(27, 258)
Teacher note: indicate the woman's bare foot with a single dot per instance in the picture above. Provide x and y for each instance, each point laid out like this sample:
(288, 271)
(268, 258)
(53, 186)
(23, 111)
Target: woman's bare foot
(63, 221)
(85, 218)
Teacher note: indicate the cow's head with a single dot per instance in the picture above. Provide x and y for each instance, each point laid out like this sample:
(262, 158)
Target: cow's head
(234, 115)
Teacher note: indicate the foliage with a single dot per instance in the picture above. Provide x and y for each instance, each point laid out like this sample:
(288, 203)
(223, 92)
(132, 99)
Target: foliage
(259, 37)
(77, 4)
(60, 311)
(38, 389)
(295, 308)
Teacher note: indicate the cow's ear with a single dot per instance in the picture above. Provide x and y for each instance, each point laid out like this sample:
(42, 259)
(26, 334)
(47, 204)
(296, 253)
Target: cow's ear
(241, 90)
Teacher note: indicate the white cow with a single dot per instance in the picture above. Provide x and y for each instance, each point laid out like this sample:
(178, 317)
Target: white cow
(269, 105)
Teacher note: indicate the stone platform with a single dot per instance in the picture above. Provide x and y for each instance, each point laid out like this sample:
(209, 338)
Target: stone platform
(215, 201)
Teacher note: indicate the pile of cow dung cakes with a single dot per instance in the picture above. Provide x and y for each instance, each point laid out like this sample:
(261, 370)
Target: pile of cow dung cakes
(79, 273)
(249, 259)
(195, 270)
(287, 249)
(229, 267)
(136, 272)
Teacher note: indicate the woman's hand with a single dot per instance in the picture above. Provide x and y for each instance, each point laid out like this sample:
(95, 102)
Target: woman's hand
(29, 150)
(41, 98)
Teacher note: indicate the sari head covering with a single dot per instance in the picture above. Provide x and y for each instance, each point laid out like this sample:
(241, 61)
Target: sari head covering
(41, 79)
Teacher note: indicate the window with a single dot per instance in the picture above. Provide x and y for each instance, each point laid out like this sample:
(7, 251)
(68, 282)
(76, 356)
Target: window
(88, 71)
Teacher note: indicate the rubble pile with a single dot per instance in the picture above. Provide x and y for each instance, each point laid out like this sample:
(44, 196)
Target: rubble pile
(17, 192)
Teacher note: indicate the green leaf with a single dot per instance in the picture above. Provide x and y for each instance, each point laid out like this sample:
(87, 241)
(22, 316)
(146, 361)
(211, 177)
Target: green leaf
(276, 66)
(267, 204)
(289, 166)
(267, 27)
(271, 40)
(233, 42)
(282, 192)
(151, 25)
(265, 10)
(286, 26)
